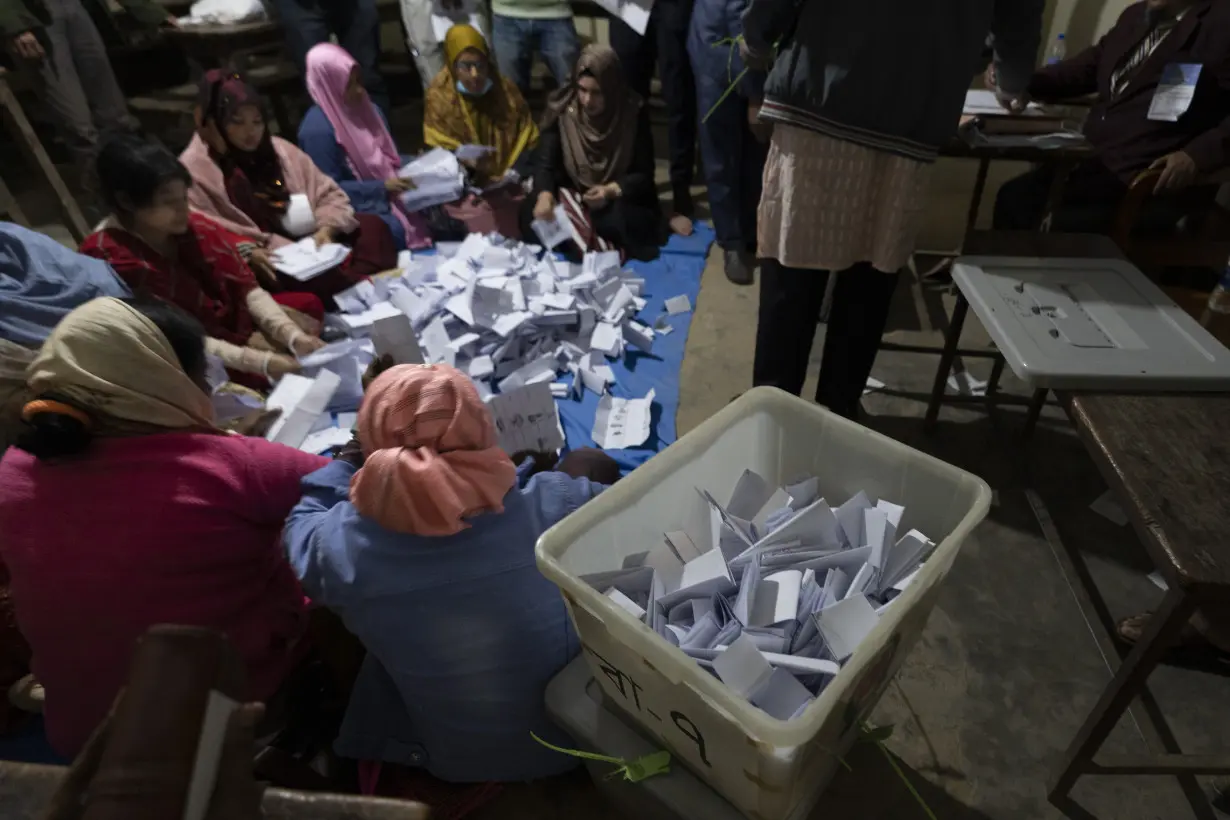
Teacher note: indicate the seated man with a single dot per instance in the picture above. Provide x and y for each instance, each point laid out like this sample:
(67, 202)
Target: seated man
(1152, 40)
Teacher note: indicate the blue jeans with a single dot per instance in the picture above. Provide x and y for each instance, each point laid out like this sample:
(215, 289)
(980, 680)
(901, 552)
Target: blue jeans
(356, 24)
(517, 38)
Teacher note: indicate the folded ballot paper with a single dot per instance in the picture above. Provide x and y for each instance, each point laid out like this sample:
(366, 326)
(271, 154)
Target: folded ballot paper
(437, 178)
(303, 260)
(512, 318)
(774, 591)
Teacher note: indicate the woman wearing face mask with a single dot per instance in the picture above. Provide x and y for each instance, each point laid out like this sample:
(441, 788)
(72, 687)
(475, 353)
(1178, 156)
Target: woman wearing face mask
(347, 137)
(187, 535)
(471, 103)
(597, 159)
(266, 190)
(161, 249)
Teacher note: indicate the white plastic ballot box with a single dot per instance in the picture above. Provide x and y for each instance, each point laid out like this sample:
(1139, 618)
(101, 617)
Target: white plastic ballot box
(767, 768)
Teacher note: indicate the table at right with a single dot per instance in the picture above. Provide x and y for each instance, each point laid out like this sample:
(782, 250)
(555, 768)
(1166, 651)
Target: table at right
(1167, 461)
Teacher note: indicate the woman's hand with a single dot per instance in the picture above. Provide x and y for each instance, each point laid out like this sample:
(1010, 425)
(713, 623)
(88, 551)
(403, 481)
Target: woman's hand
(544, 208)
(261, 263)
(279, 365)
(256, 423)
(378, 366)
(323, 236)
(398, 185)
(598, 196)
(303, 344)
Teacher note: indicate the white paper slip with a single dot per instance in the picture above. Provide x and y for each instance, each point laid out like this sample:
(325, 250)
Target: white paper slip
(303, 260)
(472, 153)
(1106, 506)
(607, 339)
(625, 603)
(321, 441)
(621, 423)
(633, 12)
(638, 335)
(678, 304)
(981, 102)
(1174, 92)
(298, 418)
(437, 178)
(551, 232)
(844, 625)
(210, 743)
(527, 419)
(435, 343)
(393, 336)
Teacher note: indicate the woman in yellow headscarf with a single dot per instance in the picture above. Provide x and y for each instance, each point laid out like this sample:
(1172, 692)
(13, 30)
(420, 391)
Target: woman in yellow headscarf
(470, 103)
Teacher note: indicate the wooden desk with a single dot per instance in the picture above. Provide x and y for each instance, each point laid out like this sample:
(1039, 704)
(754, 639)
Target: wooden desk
(1167, 461)
(214, 46)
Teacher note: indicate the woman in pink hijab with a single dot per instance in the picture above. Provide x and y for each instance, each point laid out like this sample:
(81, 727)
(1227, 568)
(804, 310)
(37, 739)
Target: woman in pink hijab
(347, 136)
(423, 541)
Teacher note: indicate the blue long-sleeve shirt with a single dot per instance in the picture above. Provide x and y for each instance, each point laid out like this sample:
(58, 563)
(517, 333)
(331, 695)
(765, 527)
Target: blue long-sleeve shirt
(318, 140)
(463, 633)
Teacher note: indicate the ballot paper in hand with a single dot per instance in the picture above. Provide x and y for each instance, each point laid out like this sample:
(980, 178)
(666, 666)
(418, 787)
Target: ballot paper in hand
(526, 419)
(623, 423)
(301, 401)
(394, 336)
(447, 13)
(304, 260)
(633, 12)
(437, 179)
(472, 153)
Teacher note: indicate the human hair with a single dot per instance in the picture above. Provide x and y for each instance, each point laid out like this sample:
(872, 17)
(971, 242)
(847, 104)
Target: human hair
(131, 169)
(59, 428)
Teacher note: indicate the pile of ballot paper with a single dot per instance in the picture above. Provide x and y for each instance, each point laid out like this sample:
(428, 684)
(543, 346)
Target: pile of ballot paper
(774, 591)
(304, 260)
(526, 328)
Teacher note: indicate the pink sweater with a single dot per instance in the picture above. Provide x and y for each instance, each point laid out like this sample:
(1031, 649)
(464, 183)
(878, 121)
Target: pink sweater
(178, 528)
(330, 205)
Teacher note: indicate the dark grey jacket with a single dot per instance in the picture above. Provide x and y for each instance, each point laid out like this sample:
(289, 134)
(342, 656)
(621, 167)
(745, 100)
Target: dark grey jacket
(888, 74)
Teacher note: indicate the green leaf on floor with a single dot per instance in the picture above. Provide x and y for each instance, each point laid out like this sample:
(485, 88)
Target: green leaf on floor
(632, 770)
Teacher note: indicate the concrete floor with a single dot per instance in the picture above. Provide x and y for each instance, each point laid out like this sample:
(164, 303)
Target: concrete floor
(1006, 670)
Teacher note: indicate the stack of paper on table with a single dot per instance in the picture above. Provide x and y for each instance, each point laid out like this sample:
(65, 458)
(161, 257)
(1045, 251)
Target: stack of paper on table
(511, 318)
(304, 260)
(774, 591)
(437, 178)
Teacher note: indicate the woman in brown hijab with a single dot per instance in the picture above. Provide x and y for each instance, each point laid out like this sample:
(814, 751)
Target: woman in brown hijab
(595, 157)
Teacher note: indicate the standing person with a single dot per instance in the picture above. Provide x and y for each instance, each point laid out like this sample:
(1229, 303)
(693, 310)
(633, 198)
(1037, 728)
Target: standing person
(56, 44)
(847, 173)
(665, 42)
(426, 48)
(733, 157)
(356, 23)
(519, 28)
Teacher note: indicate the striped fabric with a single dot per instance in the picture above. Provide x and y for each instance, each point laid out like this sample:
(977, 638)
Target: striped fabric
(1123, 74)
(582, 227)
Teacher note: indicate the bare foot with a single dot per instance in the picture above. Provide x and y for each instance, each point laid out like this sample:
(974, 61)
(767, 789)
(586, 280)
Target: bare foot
(681, 225)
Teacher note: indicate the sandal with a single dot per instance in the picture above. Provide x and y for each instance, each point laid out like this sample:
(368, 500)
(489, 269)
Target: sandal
(1190, 649)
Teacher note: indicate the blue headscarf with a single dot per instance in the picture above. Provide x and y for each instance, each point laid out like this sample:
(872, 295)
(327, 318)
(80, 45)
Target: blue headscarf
(41, 281)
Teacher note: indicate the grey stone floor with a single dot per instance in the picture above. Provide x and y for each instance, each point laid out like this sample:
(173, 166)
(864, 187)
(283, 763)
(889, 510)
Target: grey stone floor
(1006, 670)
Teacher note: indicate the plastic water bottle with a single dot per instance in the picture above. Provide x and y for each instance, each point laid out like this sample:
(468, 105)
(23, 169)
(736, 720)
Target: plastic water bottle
(1058, 52)
(1218, 307)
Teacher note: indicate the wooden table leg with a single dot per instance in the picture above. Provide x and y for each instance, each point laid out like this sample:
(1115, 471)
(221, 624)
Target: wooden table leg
(1035, 410)
(952, 337)
(975, 202)
(1160, 634)
(32, 146)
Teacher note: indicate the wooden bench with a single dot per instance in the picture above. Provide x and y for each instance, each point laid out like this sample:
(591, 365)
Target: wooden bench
(31, 147)
(1167, 461)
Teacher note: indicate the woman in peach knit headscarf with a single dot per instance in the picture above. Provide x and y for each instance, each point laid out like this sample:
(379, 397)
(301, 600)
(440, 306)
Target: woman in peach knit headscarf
(423, 541)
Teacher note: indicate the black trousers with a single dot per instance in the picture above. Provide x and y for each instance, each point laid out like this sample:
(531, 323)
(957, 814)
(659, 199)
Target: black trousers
(666, 43)
(790, 301)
